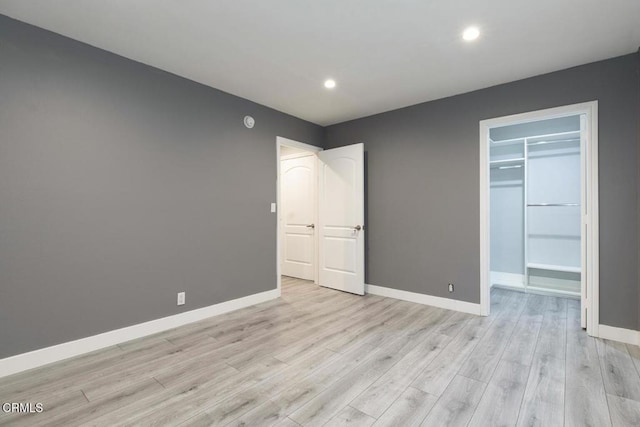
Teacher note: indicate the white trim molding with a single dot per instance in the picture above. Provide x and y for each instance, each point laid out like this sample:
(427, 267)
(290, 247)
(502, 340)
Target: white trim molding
(512, 280)
(33, 359)
(628, 336)
(446, 303)
(296, 144)
(590, 313)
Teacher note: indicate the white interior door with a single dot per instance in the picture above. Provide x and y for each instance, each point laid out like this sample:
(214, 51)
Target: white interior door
(298, 199)
(341, 219)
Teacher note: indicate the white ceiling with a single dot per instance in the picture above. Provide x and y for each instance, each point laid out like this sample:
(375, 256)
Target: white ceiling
(384, 54)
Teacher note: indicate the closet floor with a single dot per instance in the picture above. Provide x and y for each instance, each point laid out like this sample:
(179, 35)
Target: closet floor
(323, 357)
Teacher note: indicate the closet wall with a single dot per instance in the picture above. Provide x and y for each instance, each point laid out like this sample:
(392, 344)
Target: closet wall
(507, 215)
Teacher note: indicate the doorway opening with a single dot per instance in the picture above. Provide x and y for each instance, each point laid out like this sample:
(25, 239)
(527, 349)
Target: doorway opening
(538, 195)
(298, 211)
(320, 215)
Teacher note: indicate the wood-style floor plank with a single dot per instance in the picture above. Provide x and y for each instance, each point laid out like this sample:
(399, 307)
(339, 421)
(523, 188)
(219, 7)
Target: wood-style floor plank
(328, 403)
(436, 376)
(634, 352)
(624, 412)
(553, 333)
(585, 398)
(410, 409)
(618, 370)
(525, 335)
(457, 404)
(543, 401)
(482, 361)
(381, 394)
(500, 403)
(317, 356)
(351, 417)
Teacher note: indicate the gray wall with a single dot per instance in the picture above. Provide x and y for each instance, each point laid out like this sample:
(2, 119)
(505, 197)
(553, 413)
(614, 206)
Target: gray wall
(423, 196)
(121, 185)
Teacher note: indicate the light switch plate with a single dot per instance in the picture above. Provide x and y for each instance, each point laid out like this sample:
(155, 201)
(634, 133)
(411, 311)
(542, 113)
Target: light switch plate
(273, 207)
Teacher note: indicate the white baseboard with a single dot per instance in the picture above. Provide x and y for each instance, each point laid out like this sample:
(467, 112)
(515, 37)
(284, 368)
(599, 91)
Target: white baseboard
(446, 303)
(628, 336)
(512, 280)
(44, 356)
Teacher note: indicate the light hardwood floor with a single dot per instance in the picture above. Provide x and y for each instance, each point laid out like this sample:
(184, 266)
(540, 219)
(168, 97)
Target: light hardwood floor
(322, 357)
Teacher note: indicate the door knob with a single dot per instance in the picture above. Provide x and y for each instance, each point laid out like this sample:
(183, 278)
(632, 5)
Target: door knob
(311, 226)
(357, 228)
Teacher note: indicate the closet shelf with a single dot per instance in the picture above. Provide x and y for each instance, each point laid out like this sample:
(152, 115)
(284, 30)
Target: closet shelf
(564, 268)
(552, 292)
(546, 205)
(504, 142)
(507, 162)
(555, 141)
(500, 162)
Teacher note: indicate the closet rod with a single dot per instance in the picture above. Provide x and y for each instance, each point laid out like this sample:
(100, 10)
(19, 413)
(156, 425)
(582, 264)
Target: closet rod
(553, 142)
(553, 204)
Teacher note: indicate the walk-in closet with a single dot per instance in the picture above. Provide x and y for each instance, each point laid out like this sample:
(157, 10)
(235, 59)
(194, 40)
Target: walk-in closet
(535, 209)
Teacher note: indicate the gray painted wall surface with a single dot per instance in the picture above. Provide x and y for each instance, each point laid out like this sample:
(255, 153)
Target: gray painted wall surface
(423, 195)
(121, 185)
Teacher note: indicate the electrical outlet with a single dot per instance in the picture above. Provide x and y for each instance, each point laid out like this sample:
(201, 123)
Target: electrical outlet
(450, 287)
(181, 298)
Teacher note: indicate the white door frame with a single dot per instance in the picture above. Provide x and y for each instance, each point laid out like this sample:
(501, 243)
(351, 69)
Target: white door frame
(280, 141)
(590, 198)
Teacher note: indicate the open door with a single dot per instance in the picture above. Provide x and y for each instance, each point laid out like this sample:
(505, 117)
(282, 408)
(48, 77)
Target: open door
(341, 219)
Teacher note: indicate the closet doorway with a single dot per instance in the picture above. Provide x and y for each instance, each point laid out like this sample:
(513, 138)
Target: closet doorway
(539, 206)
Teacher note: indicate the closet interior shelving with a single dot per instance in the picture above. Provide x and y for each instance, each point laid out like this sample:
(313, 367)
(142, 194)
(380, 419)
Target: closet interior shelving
(516, 154)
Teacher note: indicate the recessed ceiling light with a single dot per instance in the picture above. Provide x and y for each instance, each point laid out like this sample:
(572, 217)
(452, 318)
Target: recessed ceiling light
(330, 83)
(471, 33)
